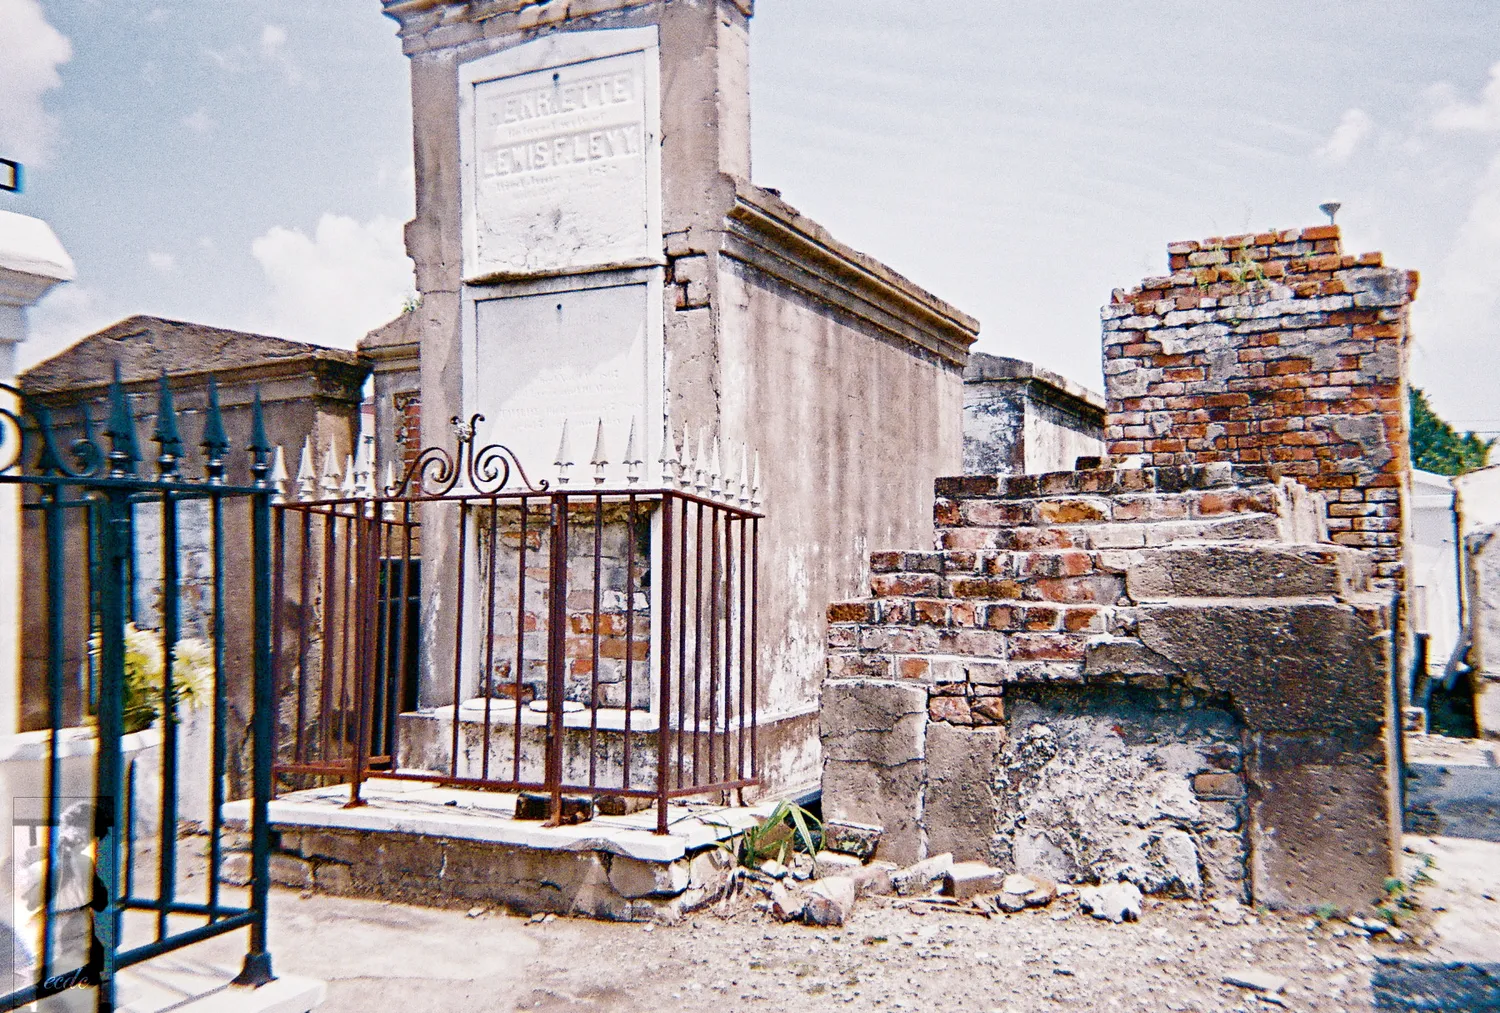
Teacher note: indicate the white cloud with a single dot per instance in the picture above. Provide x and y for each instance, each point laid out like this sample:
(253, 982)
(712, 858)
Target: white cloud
(345, 280)
(272, 38)
(1455, 114)
(64, 315)
(161, 263)
(199, 121)
(33, 52)
(1353, 128)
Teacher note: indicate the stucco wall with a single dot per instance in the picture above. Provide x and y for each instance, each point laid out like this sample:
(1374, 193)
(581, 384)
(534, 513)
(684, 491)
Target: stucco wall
(860, 427)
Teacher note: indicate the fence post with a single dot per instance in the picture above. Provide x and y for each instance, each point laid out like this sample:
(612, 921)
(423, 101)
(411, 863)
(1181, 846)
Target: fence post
(109, 772)
(664, 714)
(257, 967)
(557, 643)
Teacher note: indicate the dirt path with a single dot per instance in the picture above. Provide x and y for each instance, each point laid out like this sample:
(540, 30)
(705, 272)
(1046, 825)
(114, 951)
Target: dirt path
(383, 956)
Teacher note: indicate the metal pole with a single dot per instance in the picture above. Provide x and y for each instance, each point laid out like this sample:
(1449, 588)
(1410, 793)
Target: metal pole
(557, 643)
(257, 967)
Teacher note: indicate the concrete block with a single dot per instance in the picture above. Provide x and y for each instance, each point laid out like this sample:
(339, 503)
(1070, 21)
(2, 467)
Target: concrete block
(873, 722)
(959, 804)
(851, 838)
(634, 878)
(921, 877)
(970, 879)
(864, 792)
(1248, 571)
(331, 877)
(830, 901)
(832, 863)
(288, 870)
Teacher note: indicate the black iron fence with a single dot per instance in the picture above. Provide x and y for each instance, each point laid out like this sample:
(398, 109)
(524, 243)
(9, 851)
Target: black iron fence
(595, 641)
(100, 889)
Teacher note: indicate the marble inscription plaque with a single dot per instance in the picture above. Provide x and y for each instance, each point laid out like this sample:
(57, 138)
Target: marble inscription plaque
(579, 356)
(559, 168)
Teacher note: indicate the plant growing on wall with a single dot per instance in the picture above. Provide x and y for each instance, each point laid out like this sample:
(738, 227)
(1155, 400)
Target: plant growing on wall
(1438, 447)
(192, 674)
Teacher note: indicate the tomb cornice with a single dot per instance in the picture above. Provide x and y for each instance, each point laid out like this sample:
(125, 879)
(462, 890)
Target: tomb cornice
(768, 234)
(492, 17)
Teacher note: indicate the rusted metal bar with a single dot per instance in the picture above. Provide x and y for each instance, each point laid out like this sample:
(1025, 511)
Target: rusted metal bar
(304, 616)
(629, 636)
(713, 642)
(754, 644)
(557, 631)
(458, 629)
(520, 635)
(594, 641)
(682, 626)
(489, 638)
(664, 645)
(744, 616)
(697, 640)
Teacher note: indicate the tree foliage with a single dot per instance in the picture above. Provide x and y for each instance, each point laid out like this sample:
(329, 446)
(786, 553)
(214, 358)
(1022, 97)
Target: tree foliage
(1438, 447)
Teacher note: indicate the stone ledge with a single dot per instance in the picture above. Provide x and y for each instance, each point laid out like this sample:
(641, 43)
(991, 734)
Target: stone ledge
(770, 235)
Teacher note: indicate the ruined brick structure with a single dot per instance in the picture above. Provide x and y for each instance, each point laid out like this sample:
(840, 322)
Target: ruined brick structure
(1173, 667)
(1155, 674)
(1273, 348)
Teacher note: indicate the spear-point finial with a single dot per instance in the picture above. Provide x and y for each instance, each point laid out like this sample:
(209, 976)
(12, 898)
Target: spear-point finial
(166, 436)
(669, 456)
(260, 446)
(744, 483)
(564, 456)
(755, 499)
(278, 475)
(307, 475)
(364, 469)
(599, 460)
(388, 488)
(330, 480)
(124, 452)
(215, 440)
(715, 479)
(350, 485)
(686, 480)
(633, 460)
(700, 460)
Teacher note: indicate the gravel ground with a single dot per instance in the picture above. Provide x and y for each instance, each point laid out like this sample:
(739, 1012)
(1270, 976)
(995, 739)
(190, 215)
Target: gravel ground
(377, 955)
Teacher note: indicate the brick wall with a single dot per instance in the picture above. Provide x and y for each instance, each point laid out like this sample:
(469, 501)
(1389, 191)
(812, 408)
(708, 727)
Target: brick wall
(407, 407)
(1155, 674)
(1273, 348)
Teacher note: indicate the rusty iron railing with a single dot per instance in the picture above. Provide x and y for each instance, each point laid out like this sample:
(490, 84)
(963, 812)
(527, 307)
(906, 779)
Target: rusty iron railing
(596, 641)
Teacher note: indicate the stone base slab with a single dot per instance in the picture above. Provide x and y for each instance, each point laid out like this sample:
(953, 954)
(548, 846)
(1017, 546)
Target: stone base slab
(419, 843)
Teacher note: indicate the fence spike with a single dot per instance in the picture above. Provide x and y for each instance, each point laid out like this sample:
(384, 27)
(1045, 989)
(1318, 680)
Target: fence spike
(364, 472)
(633, 460)
(388, 488)
(755, 499)
(307, 477)
(166, 436)
(686, 481)
(744, 486)
(260, 446)
(330, 480)
(600, 462)
(278, 475)
(347, 488)
(715, 466)
(124, 452)
(564, 456)
(700, 460)
(670, 459)
(215, 442)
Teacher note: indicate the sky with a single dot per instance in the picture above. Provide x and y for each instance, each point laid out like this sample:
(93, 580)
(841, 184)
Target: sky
(247, 163)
